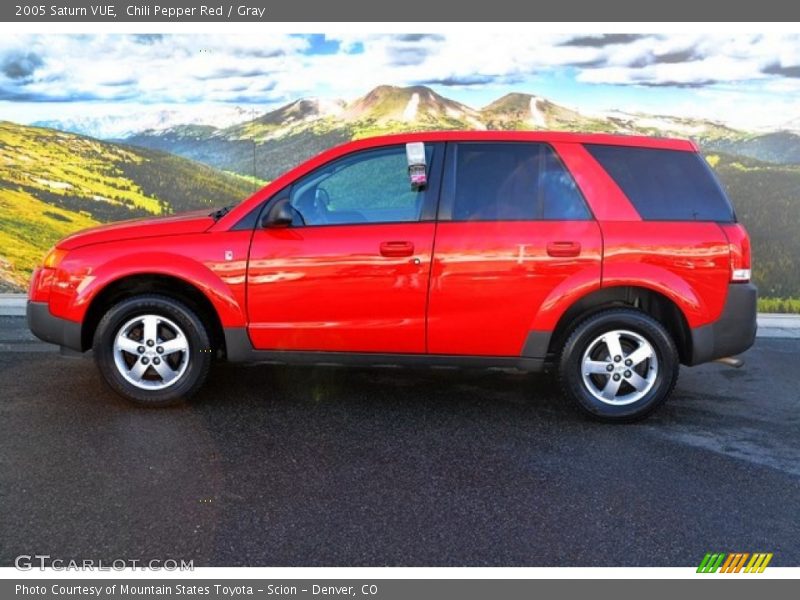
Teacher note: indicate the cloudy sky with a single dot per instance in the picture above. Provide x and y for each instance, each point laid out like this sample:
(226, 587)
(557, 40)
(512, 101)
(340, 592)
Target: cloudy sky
(746, 80)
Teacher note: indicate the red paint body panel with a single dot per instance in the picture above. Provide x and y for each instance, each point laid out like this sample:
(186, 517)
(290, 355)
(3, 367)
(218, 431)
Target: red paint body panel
(197, 259)
(565, 294)
(607, 201)
(137, 229)
(689, 262)
(329, 288)
(490, 279)
(42, 280)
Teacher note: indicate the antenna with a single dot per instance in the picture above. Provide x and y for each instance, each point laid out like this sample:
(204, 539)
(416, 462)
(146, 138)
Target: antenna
(255, 177)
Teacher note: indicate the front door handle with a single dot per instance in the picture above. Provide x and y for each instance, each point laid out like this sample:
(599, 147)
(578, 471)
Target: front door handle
(395, 249)
(563, 249)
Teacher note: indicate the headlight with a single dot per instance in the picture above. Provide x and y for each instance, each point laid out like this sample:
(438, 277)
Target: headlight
(54, 258)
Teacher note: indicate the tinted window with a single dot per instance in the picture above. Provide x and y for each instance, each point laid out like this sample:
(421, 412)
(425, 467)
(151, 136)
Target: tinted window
(367, 187)
(665, 185)
(512, 181)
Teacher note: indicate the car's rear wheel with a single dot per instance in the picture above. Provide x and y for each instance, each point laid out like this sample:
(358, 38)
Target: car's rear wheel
(152, 350)
(619, 365)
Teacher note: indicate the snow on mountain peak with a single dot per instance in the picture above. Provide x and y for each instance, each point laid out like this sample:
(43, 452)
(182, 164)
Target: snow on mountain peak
(410, 110)
(537, 116)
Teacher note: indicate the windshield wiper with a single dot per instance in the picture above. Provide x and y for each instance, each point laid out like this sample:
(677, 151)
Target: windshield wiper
(220, 212)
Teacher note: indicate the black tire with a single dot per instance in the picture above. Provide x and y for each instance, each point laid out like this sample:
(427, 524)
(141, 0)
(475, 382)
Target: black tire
(193, 371)
(660, 374)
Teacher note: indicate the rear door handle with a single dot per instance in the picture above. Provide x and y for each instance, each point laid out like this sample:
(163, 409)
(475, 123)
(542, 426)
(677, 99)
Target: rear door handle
(395, 249)
(563, 249)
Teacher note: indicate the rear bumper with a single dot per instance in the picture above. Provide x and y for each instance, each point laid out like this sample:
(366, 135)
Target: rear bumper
(52, 329)
(734, 331)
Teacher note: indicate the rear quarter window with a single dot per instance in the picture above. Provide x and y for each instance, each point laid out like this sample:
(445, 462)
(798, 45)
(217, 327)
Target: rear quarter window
(665, 185)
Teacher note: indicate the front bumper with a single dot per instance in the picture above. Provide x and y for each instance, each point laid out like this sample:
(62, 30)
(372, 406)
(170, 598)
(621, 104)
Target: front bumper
(52, 329)
(734, 331)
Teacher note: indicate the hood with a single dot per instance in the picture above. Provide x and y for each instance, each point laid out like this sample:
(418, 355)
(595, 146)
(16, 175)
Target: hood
(195, 221)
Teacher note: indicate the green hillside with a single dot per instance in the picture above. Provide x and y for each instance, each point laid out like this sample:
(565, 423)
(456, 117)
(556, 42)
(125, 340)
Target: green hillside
(782, 147)
(767, 200)
(54, 183)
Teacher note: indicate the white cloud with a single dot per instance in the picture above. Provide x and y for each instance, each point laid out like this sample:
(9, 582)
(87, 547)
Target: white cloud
(269, 69)
(185, 67)
(154, 69)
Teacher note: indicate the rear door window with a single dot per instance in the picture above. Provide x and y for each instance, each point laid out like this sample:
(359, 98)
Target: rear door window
(665, 185)
(509, 182)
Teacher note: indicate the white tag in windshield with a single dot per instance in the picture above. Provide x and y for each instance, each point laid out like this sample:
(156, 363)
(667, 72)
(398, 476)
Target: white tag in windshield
(415, 153)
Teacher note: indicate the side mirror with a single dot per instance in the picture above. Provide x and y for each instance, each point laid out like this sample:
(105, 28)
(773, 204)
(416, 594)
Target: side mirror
(281, 214)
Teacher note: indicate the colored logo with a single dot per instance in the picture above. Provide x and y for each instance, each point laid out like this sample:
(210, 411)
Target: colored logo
(734, 562)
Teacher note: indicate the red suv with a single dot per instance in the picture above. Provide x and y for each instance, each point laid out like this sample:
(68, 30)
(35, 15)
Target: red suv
(614, 259)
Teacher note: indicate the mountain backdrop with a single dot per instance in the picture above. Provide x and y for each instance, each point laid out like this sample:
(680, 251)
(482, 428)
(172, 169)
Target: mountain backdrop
(286, 136)
(53, 182)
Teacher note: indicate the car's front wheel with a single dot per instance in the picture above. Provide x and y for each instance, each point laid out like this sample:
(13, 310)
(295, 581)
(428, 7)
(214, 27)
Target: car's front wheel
(152, 350)
(619, 365)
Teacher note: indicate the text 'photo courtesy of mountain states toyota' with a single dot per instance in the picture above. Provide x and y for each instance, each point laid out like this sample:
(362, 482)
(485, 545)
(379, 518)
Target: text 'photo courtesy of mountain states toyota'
(611, 259)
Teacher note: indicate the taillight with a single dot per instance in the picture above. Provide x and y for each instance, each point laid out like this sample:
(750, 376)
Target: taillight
(739, 243)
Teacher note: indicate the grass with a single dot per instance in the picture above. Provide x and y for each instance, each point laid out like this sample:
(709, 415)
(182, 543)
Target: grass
(54, 183)
(779, 305)
(68, 165)
(257, 182)
(28, 227)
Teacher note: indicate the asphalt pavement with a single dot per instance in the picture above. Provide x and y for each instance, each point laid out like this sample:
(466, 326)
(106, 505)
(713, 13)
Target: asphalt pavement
(280, 466)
